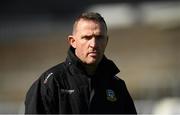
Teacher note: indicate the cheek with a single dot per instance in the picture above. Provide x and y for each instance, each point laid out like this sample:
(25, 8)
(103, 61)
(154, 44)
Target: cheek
(81, 50)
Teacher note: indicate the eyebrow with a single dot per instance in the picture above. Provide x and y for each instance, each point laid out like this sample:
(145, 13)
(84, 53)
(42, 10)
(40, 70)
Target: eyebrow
(93, 35)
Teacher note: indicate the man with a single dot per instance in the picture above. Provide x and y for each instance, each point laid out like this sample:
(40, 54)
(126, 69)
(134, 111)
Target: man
(86, 82)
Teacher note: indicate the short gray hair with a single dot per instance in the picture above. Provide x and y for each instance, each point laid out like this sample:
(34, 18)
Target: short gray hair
(90, 16)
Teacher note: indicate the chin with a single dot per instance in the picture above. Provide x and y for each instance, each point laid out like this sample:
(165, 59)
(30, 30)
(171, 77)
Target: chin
(93, 62)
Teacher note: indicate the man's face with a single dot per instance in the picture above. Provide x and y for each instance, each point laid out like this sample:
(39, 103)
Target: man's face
(89, 40)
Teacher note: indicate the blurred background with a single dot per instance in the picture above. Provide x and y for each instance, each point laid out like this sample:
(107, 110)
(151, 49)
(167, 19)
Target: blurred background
(144, 43)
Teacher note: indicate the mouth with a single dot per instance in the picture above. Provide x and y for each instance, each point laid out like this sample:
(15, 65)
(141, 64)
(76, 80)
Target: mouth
(93, 53)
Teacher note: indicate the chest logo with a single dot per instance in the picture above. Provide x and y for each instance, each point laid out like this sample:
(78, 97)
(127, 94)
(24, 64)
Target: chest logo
(110, 95)
(67, 91)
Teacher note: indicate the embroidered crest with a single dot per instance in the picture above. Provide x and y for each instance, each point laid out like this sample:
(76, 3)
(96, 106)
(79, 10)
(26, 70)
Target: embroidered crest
(110, 95)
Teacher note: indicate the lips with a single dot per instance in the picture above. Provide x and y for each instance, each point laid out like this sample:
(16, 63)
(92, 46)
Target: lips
(93, 54)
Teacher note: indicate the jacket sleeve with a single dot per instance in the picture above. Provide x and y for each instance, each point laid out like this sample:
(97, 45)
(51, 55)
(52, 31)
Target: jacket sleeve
(33, 102)
(41, 97)
(129, 104)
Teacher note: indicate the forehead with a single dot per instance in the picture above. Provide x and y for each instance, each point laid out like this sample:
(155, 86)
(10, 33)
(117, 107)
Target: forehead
(89, 24)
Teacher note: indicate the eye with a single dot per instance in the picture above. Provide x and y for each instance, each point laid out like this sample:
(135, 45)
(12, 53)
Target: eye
(87, 37)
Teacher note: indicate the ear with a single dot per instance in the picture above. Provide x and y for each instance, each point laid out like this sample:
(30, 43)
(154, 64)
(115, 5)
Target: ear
(72, 41)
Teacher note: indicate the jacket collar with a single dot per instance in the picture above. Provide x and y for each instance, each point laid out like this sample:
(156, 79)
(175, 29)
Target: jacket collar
(105, 67)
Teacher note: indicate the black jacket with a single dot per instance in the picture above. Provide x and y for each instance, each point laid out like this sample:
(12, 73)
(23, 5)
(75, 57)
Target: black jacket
(66, 88)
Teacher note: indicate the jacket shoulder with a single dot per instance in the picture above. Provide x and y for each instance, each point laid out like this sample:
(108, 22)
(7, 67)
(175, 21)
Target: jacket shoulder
(55, 73)
(116, 78)
(43, 91)
(56, 69)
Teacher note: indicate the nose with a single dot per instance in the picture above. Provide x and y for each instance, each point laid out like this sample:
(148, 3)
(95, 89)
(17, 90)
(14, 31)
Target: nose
(93, 42)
